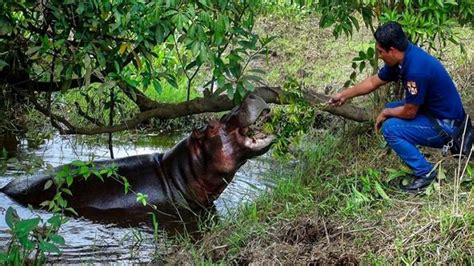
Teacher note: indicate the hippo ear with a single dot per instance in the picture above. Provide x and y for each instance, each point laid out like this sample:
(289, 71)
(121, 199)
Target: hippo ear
(197, 134)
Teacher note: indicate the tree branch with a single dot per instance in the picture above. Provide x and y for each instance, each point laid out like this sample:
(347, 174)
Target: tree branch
(214, 104)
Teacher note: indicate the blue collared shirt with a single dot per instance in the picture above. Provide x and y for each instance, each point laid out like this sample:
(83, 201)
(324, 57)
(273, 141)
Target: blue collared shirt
(426, 83)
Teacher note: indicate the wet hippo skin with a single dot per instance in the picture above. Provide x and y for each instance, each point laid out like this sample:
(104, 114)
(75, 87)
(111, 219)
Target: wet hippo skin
(192, 174)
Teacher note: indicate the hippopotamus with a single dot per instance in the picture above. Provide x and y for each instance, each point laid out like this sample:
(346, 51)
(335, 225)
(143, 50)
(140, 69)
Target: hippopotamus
(192, 174)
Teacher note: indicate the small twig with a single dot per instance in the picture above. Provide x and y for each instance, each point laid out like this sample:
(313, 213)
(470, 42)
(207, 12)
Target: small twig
(326, 231)
(361, 230)
(219, 247)
(404, 217)
(417, 232)
(382, 232)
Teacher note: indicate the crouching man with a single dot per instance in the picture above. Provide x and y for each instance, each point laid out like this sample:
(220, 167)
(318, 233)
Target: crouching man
(429, 92)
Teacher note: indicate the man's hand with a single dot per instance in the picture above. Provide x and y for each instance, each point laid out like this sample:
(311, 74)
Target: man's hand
(380, 119)
(337, 99)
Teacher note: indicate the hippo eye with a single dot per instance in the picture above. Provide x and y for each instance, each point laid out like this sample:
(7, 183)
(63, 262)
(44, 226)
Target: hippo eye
(212, 127)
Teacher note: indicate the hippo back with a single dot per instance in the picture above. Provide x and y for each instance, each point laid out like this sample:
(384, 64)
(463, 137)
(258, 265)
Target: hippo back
(143, 172)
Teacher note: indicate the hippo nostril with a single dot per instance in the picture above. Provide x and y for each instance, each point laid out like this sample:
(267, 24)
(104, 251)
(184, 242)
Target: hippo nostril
(251, 96)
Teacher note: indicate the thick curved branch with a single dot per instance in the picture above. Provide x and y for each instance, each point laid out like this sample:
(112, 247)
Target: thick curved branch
(216, 104)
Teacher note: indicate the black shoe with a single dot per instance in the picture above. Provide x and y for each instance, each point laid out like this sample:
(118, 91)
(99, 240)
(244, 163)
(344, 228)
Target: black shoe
(419, 184)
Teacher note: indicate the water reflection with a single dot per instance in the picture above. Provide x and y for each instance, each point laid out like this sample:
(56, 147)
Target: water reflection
(91, 242)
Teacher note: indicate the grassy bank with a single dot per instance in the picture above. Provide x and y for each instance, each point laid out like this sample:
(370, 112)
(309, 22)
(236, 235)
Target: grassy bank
(338, 202)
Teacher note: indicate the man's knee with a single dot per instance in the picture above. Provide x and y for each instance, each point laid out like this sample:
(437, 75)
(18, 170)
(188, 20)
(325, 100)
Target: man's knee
(389, 127)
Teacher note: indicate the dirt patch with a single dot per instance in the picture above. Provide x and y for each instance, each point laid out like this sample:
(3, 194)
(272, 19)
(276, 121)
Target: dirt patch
(302, 241)
(305, 230)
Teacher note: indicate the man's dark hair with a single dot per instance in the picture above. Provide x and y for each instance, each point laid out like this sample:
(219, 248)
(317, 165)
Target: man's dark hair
(391, 34)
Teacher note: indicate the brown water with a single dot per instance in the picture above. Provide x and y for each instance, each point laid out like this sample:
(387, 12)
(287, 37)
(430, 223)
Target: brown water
(92, 242)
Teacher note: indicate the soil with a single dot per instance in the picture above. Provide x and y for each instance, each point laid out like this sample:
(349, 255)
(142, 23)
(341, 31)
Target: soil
(304, 241)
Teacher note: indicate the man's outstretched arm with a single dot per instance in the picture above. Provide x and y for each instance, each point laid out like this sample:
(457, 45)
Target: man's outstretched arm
(364, 87)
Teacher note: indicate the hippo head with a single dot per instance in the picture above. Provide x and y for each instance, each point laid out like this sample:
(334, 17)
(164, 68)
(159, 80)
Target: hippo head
(221, 147)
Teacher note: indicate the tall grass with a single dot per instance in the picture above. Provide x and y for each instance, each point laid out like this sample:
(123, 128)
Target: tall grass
(345, 193)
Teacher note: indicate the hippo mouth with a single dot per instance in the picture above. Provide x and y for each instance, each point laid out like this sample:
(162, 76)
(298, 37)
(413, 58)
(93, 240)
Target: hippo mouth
(249, 118)
(255, 138)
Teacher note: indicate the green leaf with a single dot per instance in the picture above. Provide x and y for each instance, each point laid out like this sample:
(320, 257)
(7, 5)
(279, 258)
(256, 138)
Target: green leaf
(157, 86)
(117, 67)
(24, 227)
(3, 257)
(258, 71)
(229, 90)
(33, 50)
(253, 78)
(44, 203)
(191, 65)
(69, 180)
(3, 64)
(361, 66)
(170, 13)
(62, 202)
(48, 184)
(220, 27)
(26, 243)
(11, 217)
(48, 247)
(57, 239)
(353, 75)
(172, 80)
(131, 82)
(380, 191)
(5, 26)
(72, 211)
(126, 184)
(355, 22)
(220, 90)
(142, 198)
(370, 52)
(248, 86)
(84, 171)
(67, 191)
(241, 90)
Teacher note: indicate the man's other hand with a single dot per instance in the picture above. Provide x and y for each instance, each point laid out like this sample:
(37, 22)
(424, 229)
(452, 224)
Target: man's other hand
(337, 99)
(379, 121)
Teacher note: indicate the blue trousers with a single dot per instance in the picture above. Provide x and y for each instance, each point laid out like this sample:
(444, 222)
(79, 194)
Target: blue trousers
(404, 135)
